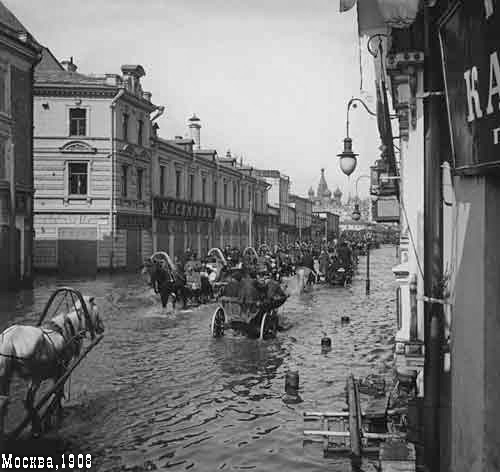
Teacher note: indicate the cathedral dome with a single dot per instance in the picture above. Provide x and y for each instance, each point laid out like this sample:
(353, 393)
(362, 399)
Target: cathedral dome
(311, 193)
(323, 190)
(338, 193)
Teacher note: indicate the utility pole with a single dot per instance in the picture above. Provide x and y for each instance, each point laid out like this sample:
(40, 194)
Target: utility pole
(250, 217)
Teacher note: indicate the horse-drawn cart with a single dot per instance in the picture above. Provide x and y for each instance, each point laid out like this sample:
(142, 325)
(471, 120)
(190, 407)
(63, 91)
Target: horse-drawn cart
(50, 350)
(248, 300)
(253, 318)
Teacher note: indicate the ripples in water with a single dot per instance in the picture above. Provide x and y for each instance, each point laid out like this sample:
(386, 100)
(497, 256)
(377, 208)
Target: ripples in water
(160, 393)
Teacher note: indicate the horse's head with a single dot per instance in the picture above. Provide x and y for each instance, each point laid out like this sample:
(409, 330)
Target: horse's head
(94, 322)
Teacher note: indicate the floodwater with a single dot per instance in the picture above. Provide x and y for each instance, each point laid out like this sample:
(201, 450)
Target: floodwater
(159, 393)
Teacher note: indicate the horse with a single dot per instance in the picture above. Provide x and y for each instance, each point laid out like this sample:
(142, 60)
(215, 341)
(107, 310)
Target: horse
(167, 281)
(39, 353)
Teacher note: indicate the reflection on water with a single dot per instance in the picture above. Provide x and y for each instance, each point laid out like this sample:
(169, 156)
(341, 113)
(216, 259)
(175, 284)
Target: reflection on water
(160, 392)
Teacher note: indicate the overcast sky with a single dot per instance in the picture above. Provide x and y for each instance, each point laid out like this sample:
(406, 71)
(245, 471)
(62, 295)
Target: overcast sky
(270, 79)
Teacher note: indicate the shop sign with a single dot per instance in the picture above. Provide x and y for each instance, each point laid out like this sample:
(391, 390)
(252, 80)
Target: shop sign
(172, 208)
(128, 220)
(386, 210)
(470, 44)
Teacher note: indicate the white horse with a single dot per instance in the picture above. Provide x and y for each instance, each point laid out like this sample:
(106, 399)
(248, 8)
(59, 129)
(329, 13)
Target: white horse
(40, 353)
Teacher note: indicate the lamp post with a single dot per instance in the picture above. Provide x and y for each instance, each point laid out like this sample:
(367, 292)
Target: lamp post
(348, 159)
(356, 214)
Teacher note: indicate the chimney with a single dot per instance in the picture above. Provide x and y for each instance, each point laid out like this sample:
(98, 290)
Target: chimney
(194, 130)
(70, 66)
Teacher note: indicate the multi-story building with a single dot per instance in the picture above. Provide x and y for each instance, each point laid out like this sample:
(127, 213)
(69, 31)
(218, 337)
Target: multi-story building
(325, 226)
(201, 201)
(183, 201)
(92, 153)
(245, 204)
(19, 53)
(303, 216)
(279, 188)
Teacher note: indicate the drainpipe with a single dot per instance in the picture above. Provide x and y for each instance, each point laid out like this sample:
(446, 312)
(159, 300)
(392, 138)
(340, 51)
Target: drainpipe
(436, 145)
(112, 206)
(159, 111)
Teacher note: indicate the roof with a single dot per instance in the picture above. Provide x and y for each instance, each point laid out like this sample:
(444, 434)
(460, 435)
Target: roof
(11, 26)
(48, 61)
(64, 77)
(7, 18)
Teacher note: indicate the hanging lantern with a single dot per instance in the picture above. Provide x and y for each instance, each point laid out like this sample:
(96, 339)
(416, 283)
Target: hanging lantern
(399, 13)
(348, 159)
(356, 214)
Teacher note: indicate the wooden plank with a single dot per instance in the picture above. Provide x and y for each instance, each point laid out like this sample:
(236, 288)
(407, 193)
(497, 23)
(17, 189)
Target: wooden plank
(333, 434)
(354, 418)
(328, 414)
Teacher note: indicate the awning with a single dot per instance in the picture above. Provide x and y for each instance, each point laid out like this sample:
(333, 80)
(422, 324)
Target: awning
(375, 16)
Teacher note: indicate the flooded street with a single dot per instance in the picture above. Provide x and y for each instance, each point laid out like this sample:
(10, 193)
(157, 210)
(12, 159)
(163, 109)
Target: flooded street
(160, 393)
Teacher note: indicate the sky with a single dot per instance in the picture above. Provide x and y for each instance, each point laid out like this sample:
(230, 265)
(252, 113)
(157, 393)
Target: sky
(270, 79)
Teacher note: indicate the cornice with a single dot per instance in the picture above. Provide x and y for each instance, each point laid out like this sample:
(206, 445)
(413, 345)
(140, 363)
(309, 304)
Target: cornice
(54, 90)
(29, 50)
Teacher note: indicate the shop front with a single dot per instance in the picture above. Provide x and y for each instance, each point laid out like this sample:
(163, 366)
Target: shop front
(133, 240)
(179, 225)
(470, 45)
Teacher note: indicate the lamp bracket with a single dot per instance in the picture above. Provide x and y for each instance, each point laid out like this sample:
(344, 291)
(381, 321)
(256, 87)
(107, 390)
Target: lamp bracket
(424, 95)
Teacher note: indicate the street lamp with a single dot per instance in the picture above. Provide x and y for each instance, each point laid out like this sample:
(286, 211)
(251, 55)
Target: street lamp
(348, 159)
(356, 214)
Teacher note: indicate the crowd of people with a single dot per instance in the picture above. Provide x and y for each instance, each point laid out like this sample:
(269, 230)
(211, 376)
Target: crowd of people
(282, 260)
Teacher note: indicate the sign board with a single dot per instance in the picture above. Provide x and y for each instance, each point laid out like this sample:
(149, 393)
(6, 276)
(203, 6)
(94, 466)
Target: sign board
(386, 210)
(470, 45)
(133, 221)
(172, 208)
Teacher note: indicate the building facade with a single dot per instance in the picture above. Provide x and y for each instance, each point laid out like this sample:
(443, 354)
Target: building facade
(92, 168)
(184, 207)
(279, 191)
(19, 53)
(202, 201)
(303, 216)
(325, 226)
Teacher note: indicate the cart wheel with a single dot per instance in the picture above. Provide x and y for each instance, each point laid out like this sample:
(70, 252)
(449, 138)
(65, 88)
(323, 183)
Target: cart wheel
(218, 321)
(268, 326)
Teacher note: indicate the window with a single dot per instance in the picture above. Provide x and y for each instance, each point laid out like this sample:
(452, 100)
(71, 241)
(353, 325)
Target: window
(140, 131)
(3, 161)
(140, 173)
(125, 127)
(249, 197)
(124, 180)
(225, 194)
(191, 187)
(204, 189)
(178, 176)
(235, 196)
(3, 87)
(77, 121)
(162, 180)
(78, 178)
(242, 198)
(216, 190)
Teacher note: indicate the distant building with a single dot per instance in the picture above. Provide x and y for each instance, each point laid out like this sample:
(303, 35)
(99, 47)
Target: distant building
(324, 200)
(325, 226)
(279, 192)
(19, 53)
(303, 216)
(243, 203)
